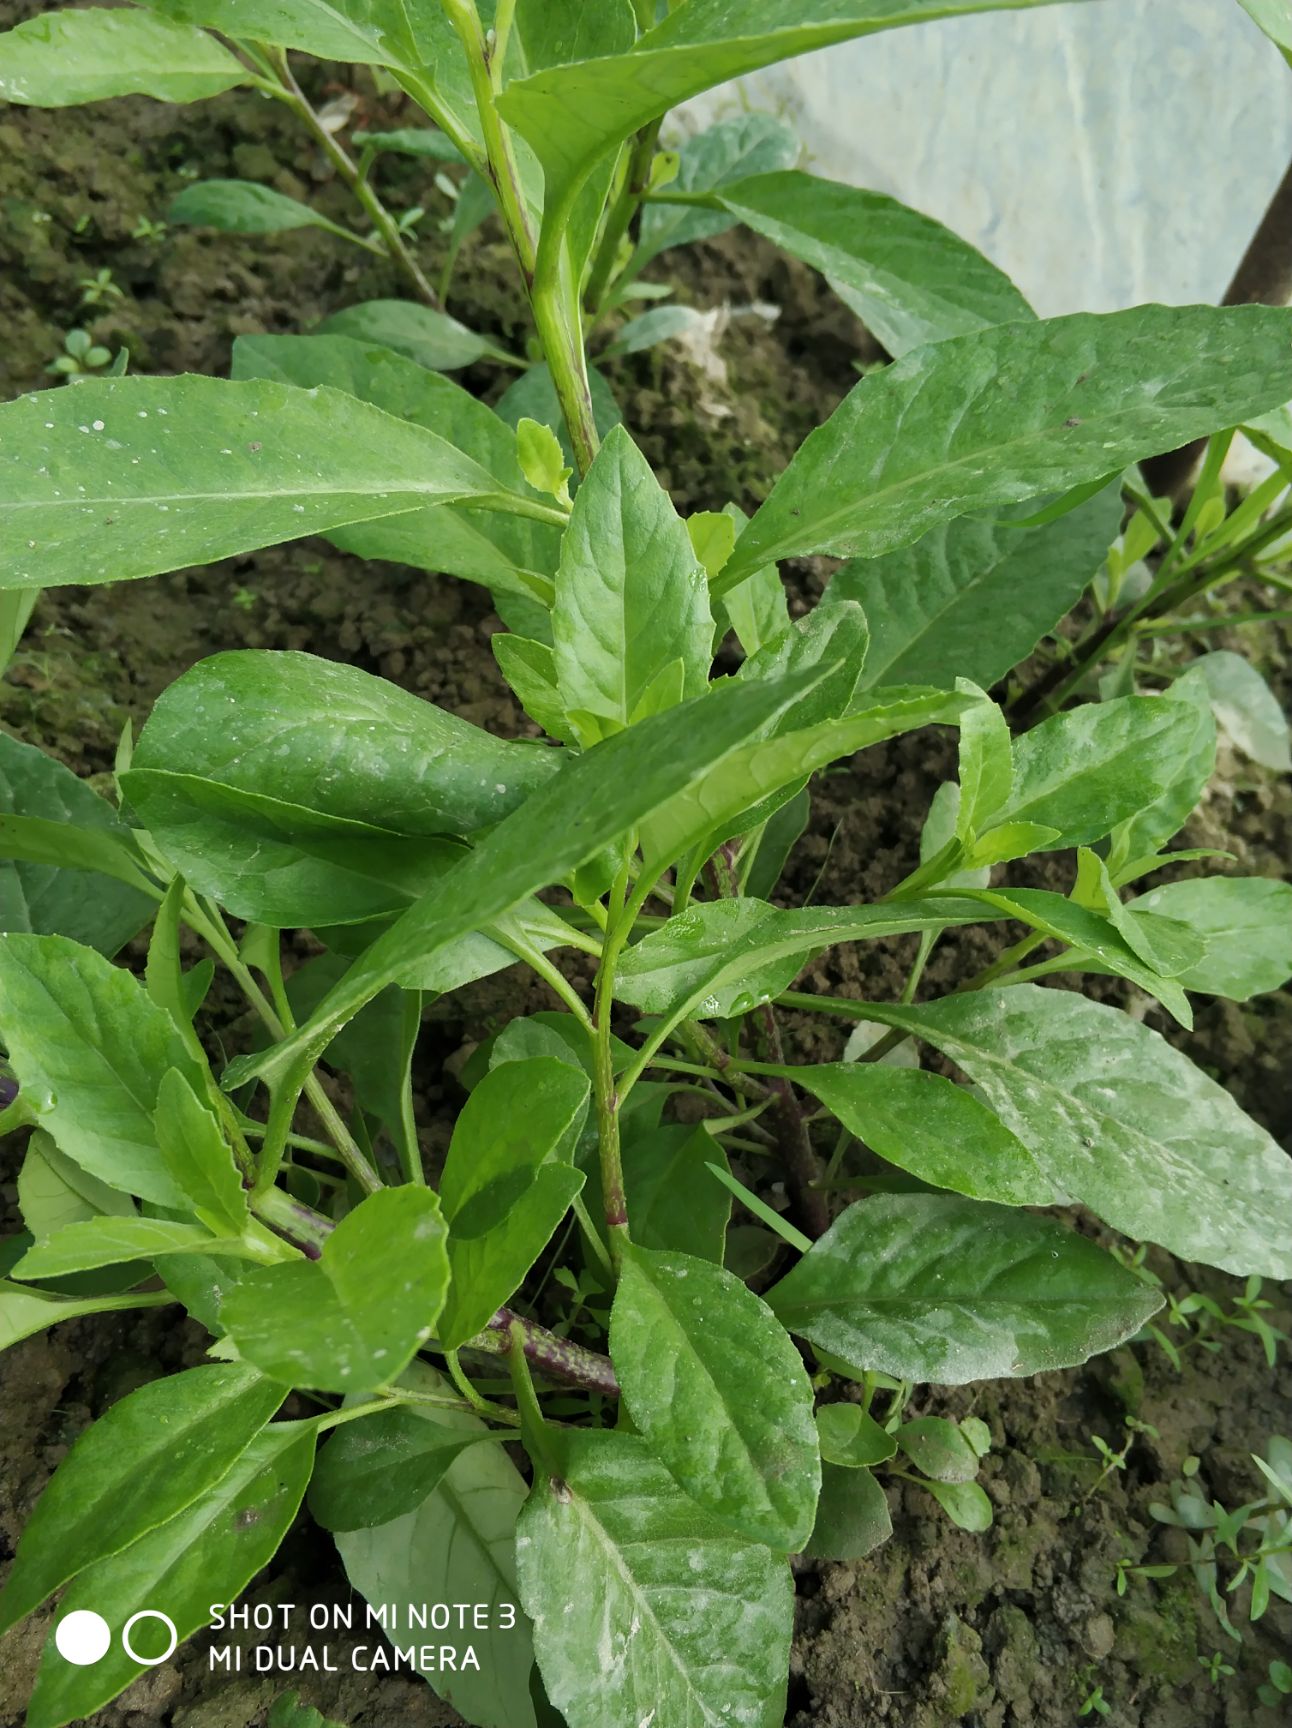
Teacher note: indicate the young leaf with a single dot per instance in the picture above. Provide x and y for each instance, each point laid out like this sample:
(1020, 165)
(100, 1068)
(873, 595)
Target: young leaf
(831, 634)
(660, 324)
(489, 546)
(1246, 923)
(909, 279)
(459, 1545)
(242, 207)
(507, 1184)
(206, 1553)
(420, 333)
(734, 149)
(1083, 772)
(926, 1124)
(53, 1192)
(62, 893)
(691, 1622)
(851, 1438)
(933, 1288)
(852, 1518)
(724, 957)
(530, 669)
(756, 608)
(382, 1467)
(533, 397)
(938, 1448)
(1247, 709)
(126, 477)
(631, 598)
(719, 1392)
(112, 1241)
(153, 1453)
(353, 1319)
(542, 461)
(974, 597)
(1011, 413)
(1120, 1121)
(91, 1049)
(593, 801)
(65, 58)
(197, 1155)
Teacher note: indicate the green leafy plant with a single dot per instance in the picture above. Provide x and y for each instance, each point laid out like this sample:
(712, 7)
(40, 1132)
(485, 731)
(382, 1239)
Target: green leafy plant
(82, 356)
(568, 1277)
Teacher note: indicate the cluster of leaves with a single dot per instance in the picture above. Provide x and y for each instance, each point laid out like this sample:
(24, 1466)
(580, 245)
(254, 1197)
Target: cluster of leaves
(675, 1451)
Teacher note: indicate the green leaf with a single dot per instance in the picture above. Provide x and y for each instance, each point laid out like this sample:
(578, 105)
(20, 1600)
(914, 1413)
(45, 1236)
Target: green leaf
(690, 1622)
(938, 1448)
(593, 801)
(25, 1312)
(153, 1454)
(363, 32)
(542, 461)
(459, 1545)
(242, 207)
(631, 597)
(382, 1467)
(333, 739)
(287, 1711)
(673, 1200)
(205, 1554)
(660, 324)
(354, 1318)
(909, 279)
(726, 957)
(126, 477)
(832, 634)
(1084, 771)
(851, 1438)
(66, 58)
(533, 397)
(47, 889)
(965, 1504)
(572, 115)
(926, 1124)
(1152, 826)
(719, 1393)
(1120, 1121)
(852, 1517)
(1247, 709)
(507, 1184)
(409, 141)
(736, 795)
(53, 1192)
(508, 553)
(1274, 18)
(197, 1155)
(90, 1049)
(1246, 923)
(530, 669)
(734, 149)
(164, 977)
(114, 1241)
(933, 1288)
(974, 597)
(756, 608)
(431, 338)
(1012, 413)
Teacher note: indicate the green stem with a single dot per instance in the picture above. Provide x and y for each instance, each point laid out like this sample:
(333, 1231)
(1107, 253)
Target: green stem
(501, 169)
(614, 1199)
(347, 169)
(222, 945)
(620, 217)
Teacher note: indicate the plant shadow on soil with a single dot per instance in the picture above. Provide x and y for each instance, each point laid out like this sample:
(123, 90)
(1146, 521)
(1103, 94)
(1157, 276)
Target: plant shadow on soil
(1006, 1630)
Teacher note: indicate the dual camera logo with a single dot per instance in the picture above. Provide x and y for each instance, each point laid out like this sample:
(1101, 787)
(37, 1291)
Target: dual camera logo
(84, 1637)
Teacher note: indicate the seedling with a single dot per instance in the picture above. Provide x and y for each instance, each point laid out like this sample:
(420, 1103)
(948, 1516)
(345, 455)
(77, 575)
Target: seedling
(81, 356)
(676, 1454)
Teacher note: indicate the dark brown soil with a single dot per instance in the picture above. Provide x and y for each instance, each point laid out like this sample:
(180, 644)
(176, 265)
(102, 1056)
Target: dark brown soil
(1008, 1630)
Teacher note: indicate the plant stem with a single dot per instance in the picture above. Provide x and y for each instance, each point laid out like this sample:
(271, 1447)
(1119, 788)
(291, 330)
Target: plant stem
(801, 1165)
(306, 1227)
(559, 1358)
(222, 945)
(620, 216)
(340, 158)
(614, 1198)
(503, 173)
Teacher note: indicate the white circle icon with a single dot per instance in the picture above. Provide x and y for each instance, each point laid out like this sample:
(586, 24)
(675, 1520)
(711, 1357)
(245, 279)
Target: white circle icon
(82, 1637)
(133, 1621)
